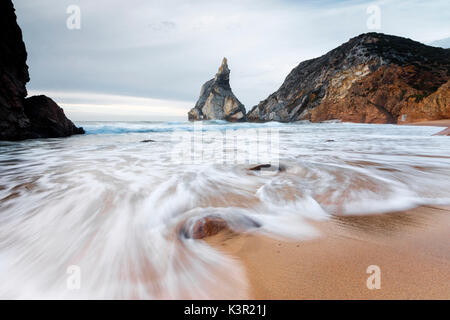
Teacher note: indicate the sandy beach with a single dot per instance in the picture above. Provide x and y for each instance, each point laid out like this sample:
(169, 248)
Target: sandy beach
(411, 248)
(125, 215)
(435, 123)
(445, 123)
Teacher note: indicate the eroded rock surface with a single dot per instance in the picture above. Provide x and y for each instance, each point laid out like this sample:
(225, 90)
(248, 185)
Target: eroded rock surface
(373, 78)
(217, 101)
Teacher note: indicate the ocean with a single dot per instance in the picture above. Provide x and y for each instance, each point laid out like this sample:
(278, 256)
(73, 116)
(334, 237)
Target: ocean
(110, 214)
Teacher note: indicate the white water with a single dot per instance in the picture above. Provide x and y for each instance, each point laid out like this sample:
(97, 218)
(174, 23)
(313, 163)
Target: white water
(119, 208)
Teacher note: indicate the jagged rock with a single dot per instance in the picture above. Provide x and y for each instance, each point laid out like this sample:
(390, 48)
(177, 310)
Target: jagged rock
(18, 119)
(434, 107)
(217, 101)
(373, 78)
(13, 74)
(269, 167)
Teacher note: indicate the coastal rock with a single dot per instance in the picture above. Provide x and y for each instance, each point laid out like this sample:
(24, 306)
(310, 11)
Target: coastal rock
(434, 107)
(217, 101)
(373, 78)
(47, 119)
(211, 225)
(208, 226)
(445, 132)
(13, 74)
(260, 166)
(18, 119)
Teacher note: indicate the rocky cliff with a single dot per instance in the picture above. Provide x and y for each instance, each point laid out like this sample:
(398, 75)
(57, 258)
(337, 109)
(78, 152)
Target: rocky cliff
(22, 118)
(373, 78)
(217, 101)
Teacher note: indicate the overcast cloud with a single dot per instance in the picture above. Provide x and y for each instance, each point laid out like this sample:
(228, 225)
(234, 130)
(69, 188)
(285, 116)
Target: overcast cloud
(146, 60)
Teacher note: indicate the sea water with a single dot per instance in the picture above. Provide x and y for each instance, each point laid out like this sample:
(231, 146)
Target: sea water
(107, 215)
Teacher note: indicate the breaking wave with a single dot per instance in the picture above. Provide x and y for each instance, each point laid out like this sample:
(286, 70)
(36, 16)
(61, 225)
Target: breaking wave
(121, 211)
(171, 126)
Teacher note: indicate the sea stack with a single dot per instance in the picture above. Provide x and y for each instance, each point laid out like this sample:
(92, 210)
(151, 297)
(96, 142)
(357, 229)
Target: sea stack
(217, 101)
(22, 117)
(372, 78)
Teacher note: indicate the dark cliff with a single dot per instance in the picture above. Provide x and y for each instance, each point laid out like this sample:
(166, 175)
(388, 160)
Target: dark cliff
(373, 78)
(21, 117)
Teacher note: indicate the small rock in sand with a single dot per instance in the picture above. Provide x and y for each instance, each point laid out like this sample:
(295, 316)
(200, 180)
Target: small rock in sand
(260, 166)
(208, 226)
(280, 168)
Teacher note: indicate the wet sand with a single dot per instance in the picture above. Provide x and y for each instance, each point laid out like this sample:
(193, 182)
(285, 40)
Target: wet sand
(445, 123)
(411, 248)
(435, 123)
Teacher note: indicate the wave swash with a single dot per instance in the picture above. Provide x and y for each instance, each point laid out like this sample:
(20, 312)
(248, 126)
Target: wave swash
(114, 206)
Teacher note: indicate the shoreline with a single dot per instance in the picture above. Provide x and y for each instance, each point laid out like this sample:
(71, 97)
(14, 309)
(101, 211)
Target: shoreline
(410, 247)
(445, 123)
(434, 123)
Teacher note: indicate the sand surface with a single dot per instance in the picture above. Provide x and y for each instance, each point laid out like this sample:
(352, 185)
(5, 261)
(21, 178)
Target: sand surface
(412, 249)
(435, 123)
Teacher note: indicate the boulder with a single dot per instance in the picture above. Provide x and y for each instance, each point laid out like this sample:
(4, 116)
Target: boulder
(208, 226)
(260, 166)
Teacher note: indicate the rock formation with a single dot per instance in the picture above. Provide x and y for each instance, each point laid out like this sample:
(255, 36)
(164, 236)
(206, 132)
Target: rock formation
(21, 117)
(208, 226)
(212, 224)
(373, 78)
(47, 119)
(217, 101)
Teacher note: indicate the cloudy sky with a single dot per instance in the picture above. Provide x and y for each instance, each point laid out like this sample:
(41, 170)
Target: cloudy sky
(146, 60)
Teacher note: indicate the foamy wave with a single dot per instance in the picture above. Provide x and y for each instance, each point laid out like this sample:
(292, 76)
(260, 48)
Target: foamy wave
(150, 127)
(120, 210)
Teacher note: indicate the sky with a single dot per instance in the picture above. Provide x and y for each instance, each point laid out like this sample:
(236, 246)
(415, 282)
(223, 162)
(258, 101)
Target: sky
(147, 59)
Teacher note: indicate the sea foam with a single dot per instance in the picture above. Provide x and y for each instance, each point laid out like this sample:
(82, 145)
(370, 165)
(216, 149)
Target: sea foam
(115, 207)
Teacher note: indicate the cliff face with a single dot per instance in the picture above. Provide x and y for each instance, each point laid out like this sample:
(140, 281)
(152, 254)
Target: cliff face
(21, 118)
(373, 78)
(13, 74)
(217, 101)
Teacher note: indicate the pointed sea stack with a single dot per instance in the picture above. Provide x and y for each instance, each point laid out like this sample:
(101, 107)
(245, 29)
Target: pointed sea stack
(217, 101)
(22, 117)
